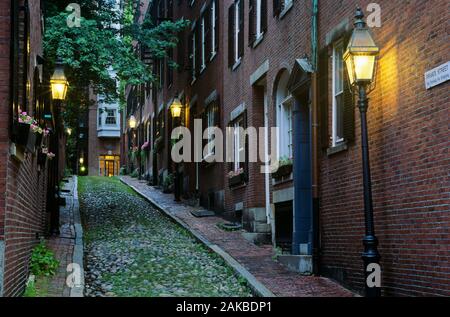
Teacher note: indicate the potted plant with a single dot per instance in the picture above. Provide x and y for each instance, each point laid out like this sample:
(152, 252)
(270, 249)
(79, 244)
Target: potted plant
(284, 168)
(236, 178)
(168, 184)
(159, 144)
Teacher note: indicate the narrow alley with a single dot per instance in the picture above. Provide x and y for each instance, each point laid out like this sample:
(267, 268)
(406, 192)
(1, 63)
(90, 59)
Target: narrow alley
(131, 249)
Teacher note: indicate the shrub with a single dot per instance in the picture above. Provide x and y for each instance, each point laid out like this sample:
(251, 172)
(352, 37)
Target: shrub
(135, 173)
(43, 261)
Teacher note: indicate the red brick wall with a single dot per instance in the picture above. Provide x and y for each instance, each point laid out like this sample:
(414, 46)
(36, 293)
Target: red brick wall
(286, 39)
(409, 142)
(22, 185)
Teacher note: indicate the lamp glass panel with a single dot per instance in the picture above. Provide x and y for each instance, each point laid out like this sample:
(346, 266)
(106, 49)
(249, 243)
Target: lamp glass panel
(364, 67)
(176, 112)
(350, 69)
(59, 90)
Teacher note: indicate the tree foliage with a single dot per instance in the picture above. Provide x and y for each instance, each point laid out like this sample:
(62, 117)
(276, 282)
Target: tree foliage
(105, 41)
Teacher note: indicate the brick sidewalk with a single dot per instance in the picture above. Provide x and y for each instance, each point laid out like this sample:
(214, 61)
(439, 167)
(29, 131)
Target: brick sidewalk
(63, 246)
(258, 260)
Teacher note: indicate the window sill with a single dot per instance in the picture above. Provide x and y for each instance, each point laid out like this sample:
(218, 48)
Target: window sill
(338, 148)
(213, 56)
(258, 40)
(286, 10)
(236, 65)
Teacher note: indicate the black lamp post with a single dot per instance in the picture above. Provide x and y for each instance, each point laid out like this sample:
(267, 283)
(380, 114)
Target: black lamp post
(59, 86)
(360, 59)
(132, 123)
(175, 110)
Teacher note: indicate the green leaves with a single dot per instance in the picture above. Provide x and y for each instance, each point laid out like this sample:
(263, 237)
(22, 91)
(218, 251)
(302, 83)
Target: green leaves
(43, 262)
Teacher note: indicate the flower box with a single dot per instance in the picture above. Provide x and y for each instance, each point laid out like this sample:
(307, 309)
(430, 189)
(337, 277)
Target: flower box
(22, 133)
(283, 171)
(236, 180)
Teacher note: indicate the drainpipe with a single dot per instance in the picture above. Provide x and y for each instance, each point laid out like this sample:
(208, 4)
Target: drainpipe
(315, 137)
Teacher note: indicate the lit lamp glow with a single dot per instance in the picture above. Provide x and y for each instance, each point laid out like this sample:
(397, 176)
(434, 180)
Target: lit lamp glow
(81, 160)
(176, 108)
(59, 82)
(361, 54)
(132, 122)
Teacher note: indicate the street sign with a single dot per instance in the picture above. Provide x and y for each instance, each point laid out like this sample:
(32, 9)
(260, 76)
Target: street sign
(437, 76)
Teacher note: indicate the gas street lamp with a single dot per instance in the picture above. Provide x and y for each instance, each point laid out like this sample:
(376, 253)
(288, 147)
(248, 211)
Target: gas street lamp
(59, 82)
(132, 122)
(360, 59)
(175, 108)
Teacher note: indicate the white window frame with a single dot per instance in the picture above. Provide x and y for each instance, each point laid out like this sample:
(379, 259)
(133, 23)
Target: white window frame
(239, 143)
(210, 120)
(236, 30)
(285, 124)
(259, 31)
(213, 29)
(337, 91)
(203, 39)
(114, 111)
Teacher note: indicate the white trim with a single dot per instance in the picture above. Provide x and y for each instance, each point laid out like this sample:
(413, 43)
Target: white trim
(334, 136)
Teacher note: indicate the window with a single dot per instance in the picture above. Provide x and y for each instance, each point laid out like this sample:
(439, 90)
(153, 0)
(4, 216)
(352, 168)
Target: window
(239, 144)
(111, 117)
(203, 39)
(258, 20)
(338, 94)
(100, 111)
(214, 28)
(193, 55)
(280, 7)
(210, 120)
(236, 33)
(284, 104)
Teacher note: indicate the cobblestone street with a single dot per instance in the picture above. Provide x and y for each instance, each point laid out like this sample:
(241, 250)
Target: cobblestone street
(131, 249)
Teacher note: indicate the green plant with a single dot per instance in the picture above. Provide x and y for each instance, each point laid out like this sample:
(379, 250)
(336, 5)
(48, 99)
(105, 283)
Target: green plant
(123, 171)
(168, 181)
(284, 160)
(135, 173)
(43, 261)
(30, 290)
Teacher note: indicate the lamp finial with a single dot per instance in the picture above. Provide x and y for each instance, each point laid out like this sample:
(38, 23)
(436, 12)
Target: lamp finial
(359, 18)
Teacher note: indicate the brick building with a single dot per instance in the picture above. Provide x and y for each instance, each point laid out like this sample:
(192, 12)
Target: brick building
(27, 179)
(103, 151)
(280, 64)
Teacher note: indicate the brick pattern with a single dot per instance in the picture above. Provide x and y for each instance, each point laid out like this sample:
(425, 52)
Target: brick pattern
(22, 185)
(408, 135)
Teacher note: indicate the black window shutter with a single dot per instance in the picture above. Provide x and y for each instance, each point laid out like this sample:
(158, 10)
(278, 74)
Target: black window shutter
(251, 22)
(191, 52)
(323, 80)
(349, 105)
(217, 6)
(231, 19)
(198, 49)
(264, 15)
(276, 7)
(241, 28)
(181, 51)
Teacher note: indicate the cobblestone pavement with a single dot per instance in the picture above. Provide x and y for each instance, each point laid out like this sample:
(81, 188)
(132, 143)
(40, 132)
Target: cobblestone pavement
(258, 260)
(133, 250)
